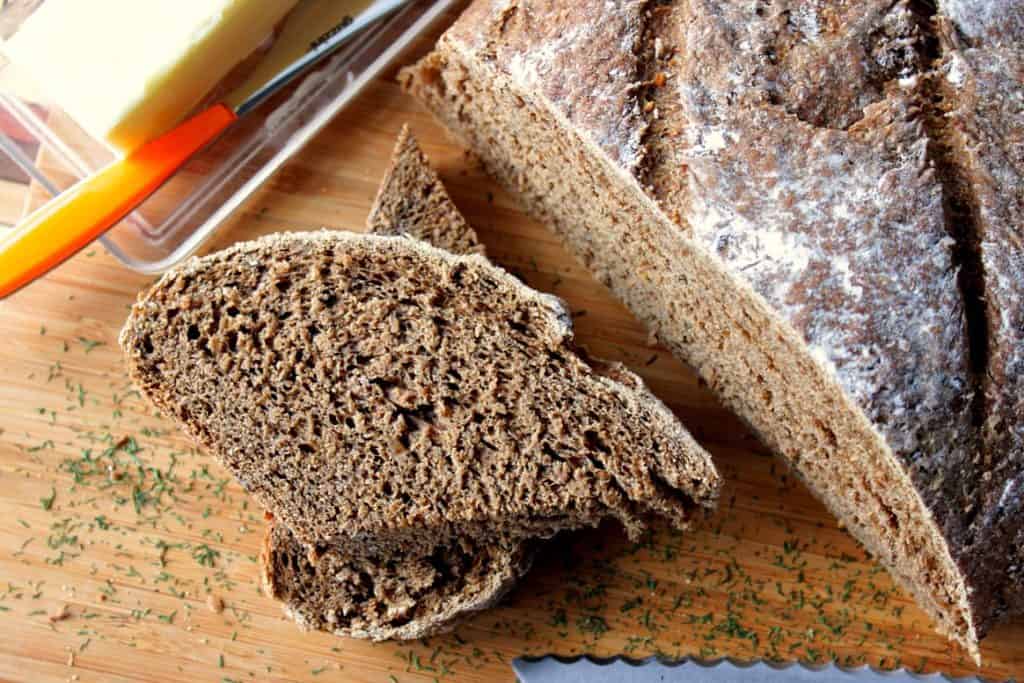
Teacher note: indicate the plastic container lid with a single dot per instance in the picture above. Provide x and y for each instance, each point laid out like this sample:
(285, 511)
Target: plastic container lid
(44, 146)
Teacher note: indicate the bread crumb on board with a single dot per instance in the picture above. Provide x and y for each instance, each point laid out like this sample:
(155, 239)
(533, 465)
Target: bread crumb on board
(59, 613)
(215, 603)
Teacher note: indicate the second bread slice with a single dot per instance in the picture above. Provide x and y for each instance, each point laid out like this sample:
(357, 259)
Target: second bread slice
(396, 597)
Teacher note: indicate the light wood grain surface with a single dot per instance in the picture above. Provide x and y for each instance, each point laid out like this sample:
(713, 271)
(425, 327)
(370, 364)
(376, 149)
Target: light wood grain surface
(117, 538)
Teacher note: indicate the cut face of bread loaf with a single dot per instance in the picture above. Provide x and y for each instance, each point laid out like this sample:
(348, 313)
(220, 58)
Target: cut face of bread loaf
(779, 223)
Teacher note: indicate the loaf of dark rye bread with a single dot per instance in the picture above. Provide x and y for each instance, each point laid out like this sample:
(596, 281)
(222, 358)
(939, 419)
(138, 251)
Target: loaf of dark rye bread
(403, 596)
(384, 399)
(759, 183)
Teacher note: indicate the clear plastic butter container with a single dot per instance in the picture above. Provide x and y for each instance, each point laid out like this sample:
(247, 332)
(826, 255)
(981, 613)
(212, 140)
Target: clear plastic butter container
(43, 152)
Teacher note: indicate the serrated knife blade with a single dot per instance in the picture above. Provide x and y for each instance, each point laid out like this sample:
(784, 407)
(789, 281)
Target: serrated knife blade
(586, 669)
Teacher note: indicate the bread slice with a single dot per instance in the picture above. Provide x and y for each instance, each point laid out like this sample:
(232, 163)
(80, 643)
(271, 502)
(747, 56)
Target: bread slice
(389, 397)
(400, 597)
(404, 596)
(382, 392)
(412, 201)
(756, 185)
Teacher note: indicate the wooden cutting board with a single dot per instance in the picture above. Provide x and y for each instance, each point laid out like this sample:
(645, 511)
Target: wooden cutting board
(119, 542)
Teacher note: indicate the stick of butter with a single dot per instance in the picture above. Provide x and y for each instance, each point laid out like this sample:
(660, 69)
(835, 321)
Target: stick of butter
(129, 70)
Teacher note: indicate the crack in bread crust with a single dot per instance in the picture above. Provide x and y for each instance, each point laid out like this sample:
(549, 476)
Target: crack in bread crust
(980, 123)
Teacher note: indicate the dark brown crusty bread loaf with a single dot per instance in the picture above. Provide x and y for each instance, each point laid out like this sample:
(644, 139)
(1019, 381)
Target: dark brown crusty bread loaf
(399, 596)
(757, 181)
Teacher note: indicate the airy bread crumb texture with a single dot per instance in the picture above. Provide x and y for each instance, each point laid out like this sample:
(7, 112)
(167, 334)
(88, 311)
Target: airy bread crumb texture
(399, 597)
(381, 391)
(412, 201)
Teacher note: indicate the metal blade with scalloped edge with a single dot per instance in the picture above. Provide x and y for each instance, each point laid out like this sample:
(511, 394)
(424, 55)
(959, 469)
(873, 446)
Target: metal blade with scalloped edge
(652, 670)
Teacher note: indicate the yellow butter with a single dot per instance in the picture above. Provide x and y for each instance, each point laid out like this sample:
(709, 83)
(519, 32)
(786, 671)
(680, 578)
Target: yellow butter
(308, 21)
(129, 70)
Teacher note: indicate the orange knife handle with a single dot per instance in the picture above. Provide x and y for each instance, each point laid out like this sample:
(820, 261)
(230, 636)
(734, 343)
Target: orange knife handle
(82, 213)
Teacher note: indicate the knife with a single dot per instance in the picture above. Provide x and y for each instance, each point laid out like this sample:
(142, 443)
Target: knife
(586, 669)
(63, 226)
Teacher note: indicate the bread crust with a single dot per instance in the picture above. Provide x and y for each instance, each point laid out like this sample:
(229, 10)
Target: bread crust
(983, 122)
(986, 22)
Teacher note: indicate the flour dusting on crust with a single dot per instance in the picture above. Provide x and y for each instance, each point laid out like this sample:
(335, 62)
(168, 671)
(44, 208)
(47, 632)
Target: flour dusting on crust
(540, 44)
(992, 22)
(787, 138)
